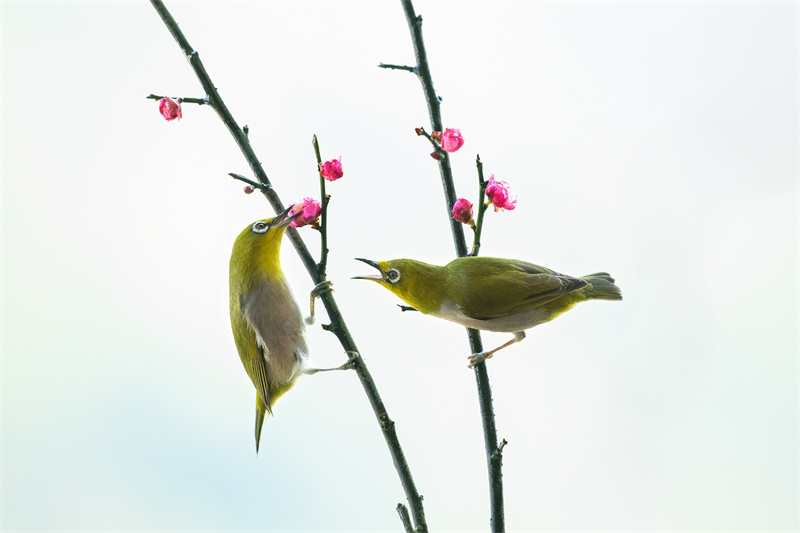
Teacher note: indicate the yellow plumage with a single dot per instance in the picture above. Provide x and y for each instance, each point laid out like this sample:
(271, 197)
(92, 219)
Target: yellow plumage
(267, 324)
(489, 293)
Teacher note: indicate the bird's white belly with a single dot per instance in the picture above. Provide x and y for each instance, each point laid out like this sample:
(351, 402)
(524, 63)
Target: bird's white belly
(508, 324)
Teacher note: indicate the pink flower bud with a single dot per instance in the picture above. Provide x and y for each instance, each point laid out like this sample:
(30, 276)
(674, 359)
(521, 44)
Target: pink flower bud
(169, 108)
(309, 209)
(462, 211)
(248, 189)
(499, 194)
(332, 170)
(452, 140)
(437, 156)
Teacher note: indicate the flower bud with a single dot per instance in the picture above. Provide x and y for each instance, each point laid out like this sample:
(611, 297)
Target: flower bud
(248, 189)
(462, 211)
(309, 210)
(452, 140)
(437, 156)
(500, 195)
(169, 108)
(332, 170)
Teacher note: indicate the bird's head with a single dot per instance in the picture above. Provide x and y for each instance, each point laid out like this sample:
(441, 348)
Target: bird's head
(416, 283)
(258, 246)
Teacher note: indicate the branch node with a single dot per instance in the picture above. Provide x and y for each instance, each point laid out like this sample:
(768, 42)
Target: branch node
(254, 184)
(405, 518)
(414, 69)
(498, 453)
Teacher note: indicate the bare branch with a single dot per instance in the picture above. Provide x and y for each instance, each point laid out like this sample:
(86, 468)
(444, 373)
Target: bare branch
(405, 518)
(337, 326)
(481, 375)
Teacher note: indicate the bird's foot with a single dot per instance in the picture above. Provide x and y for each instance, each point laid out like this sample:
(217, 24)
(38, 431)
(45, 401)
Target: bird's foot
(349, 365)
(477, 358)
(322, 288)
(351, 360)
(316, 292)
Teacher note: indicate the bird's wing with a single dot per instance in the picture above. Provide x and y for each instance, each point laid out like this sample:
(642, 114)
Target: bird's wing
(513, 287)
(272, 313)
(256, 364)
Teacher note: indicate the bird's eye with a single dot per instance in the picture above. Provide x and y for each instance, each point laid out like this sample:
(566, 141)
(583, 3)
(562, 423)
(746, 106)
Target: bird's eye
(393, 275)
(260, 227)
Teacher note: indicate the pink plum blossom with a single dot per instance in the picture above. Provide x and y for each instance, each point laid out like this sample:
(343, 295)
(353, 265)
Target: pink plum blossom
(500, 195)
(462, 211)
(332, 170)
(452, 140)
(309, 210)
(169, 108)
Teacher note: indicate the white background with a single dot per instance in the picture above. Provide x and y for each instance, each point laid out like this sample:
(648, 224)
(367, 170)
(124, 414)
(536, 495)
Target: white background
(655, 140)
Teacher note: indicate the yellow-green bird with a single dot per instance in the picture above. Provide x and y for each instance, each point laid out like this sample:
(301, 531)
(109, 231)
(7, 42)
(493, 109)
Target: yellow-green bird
(489, 293)
(267, 325)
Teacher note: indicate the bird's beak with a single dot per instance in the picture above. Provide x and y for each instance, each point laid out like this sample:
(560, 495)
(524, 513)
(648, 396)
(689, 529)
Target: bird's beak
(372, 264)
(283, 218)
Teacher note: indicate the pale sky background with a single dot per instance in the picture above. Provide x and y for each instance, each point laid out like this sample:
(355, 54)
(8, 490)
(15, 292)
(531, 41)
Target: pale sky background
(655, 140)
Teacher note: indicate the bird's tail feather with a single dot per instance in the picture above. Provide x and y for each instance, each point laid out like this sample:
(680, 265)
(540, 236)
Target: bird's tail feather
(602, 287)
(261, 414)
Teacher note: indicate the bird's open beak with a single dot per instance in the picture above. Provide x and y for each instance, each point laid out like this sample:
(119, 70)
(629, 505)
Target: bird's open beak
(371, 263)
(283, 218)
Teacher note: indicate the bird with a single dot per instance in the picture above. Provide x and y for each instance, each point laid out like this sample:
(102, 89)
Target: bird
(490, 293)
(268, 328)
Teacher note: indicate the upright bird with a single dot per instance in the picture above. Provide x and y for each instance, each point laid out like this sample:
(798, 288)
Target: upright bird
(489, 293)
(267, 325)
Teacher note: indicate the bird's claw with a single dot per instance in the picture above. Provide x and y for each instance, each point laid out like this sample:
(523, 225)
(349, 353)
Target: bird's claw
(322, 288)
(477, 358)
(351, 360)
(316, 292)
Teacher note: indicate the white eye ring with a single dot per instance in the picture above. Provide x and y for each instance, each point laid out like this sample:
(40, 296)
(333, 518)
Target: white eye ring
(392, 275)
(260, 227)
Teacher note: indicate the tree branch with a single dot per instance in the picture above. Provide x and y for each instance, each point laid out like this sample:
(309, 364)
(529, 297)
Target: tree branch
(338, 326)
(481, 375)
(398, 67)
(253, 184)
(435, 113)
(183, 100)
(405, 518)
(324, 199)
(476, 241)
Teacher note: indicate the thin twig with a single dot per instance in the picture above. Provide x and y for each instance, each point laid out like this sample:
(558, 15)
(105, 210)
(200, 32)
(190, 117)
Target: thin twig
(476, 242)
(405, 518)
(183, 100)
(250, 182)
(435, 113)
(398, 67)
(436, 146)
(337, 325)
(481, 374)
(323, 225)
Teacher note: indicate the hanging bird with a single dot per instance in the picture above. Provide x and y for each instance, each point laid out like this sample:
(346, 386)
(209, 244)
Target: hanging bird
(267, 325)
(489, 293)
